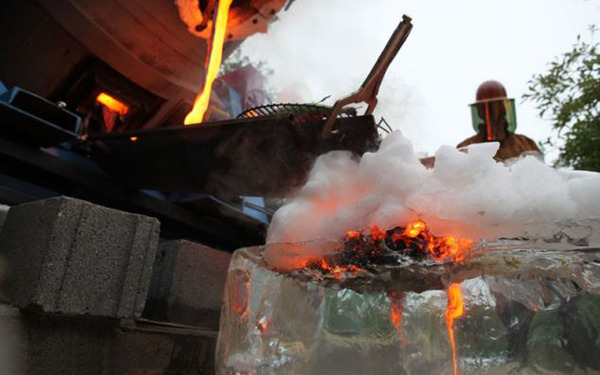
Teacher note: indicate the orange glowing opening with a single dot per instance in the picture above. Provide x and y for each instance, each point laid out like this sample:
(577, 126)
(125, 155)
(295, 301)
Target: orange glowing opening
(454, 310)
(215, 53)
(112, 103)
(133, 139)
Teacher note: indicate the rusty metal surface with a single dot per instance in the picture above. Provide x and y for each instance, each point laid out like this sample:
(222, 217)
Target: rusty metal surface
(245, 18)
(368, 91)
(150, 46)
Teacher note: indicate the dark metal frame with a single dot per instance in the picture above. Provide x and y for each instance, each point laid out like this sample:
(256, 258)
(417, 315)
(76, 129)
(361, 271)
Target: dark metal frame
(43, 173)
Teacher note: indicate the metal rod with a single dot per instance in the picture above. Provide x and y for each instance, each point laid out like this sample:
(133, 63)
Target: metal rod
(368, 91)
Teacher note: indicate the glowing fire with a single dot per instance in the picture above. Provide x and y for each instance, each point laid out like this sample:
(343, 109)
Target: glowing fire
(378, 234)
(338, 271)
(415, 228)
(453, 310)
(112, 104)
(439, 248)
(396, 309)
(215, 47)
(415, 241)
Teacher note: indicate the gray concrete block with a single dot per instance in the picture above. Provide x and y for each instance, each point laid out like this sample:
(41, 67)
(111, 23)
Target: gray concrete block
(13, 344)
(70, 256)
(187, 284)
(60, 345)
(153, 349)
(3, 212)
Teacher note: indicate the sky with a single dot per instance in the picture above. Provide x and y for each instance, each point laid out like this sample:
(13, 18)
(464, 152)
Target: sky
(327, 47)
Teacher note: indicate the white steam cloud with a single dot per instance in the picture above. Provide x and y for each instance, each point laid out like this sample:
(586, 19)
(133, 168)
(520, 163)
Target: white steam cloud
(467, 195)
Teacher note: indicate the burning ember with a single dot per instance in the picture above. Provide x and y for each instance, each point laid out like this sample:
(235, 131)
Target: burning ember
(396, 309)
(215, 54)
(390, 247)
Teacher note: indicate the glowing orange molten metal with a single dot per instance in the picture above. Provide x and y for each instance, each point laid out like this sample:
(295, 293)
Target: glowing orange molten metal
(415, 240)
(415, 228)
(396, 309)
(440, 248)
(378, 234)
(113, 104)
(336, 270)
(215, 47)
(453, 310)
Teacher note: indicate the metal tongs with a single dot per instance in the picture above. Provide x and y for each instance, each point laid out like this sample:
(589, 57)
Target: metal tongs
(368, 91)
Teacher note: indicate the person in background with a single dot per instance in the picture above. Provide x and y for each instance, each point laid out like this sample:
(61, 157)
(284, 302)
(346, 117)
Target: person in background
(495, 120)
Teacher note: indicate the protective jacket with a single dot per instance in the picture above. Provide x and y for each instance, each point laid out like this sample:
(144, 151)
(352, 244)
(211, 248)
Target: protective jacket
(510, 147)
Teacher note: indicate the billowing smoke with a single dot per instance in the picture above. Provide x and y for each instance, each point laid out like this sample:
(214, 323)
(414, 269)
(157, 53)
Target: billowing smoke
(467, 195)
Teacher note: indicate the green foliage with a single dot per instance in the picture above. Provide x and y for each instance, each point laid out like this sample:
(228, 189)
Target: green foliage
(569, 95)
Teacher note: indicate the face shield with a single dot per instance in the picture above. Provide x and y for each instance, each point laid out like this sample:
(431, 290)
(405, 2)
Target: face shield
(494, 118)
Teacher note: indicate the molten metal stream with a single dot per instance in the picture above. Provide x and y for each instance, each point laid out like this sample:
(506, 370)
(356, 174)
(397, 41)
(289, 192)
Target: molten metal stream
(215, 47)
(453, 311)
(396, 309)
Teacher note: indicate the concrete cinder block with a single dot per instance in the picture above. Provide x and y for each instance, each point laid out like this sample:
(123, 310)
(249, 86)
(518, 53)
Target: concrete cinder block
(75, 347)
(187, 284)
(13, 344)
(161, 350)
(3, 212)
(70, 256)
(61, 345)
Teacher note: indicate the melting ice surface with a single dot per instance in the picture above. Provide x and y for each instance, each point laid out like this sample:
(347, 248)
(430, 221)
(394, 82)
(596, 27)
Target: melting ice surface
(529, 308)
(465, 195)
(527, 311)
